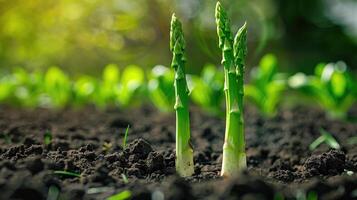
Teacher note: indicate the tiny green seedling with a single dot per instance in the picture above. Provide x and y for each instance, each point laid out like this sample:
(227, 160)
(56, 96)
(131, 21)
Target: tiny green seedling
(126, 136)
(301, 195)
(233, 59)
(66, 173)
(125, 178)
(184, 152)
(267, 86)
(327, 138)
(332, 87)
(47, 138)
(53, 192)
(124, 195)
(107, 146)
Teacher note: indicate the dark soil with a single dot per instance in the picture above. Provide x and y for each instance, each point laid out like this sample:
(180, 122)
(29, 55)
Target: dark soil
(89, 142)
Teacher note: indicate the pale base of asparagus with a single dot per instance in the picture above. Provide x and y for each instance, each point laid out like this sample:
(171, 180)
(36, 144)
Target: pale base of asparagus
(184, 163)
(232, 167)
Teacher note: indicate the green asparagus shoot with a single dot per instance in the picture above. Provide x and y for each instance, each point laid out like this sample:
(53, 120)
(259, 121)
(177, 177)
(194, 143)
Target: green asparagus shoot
(124, 195)
(233, 58)
(327, 138)
(184, 152)
(126, 136)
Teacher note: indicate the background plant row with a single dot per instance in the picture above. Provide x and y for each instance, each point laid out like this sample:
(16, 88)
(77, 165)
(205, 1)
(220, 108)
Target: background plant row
(332, 87)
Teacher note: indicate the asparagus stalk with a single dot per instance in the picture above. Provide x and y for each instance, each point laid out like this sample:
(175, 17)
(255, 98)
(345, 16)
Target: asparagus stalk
(234, 157)
(184, 152)
(240, 52)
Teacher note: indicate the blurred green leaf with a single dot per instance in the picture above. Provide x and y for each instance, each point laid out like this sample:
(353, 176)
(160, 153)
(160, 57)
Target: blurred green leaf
(131, 82)
(161, 89)
(332, 87)
(267, 86)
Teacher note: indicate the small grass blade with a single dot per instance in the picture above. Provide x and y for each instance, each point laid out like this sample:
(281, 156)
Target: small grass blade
(126, 194)
(66, 173)
(125, 178)
(126, 136)
(327, 138)
(53, 193)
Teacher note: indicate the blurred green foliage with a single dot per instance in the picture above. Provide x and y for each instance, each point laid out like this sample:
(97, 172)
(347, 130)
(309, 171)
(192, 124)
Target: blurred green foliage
(161, 90)
(332, 87)
(267, 85)
(207, 89)
(83, 35)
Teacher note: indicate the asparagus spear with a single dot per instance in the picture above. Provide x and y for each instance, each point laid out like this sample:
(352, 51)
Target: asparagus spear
(234, 157)
(184, 152)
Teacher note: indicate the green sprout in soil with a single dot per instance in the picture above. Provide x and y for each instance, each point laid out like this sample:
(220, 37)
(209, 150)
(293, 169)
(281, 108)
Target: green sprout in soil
(184, 152)
(126, 136)
(266, 86)
(327, 138)
(125, 178)
(66, 173)
(332, 87)
(207, 89)
(124, 195)
(47, 138)
(107, 146)
(160, 88)
(233, 57)
(53, 193)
